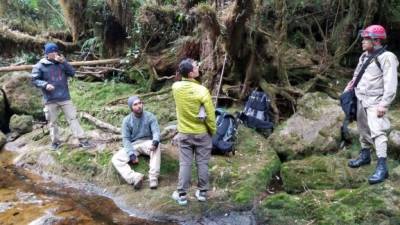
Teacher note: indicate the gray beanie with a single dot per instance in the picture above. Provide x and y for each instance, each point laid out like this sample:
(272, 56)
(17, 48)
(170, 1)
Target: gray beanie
(131, 100)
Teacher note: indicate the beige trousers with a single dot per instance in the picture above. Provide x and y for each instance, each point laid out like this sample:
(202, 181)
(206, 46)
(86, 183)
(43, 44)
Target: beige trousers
(51, 113)
(120, 161)
(373, 129)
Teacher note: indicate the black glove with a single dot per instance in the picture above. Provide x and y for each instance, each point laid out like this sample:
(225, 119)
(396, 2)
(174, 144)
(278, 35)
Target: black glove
(133, 159)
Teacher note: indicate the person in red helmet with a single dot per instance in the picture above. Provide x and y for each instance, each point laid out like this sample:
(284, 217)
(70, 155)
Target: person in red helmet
(375, 92)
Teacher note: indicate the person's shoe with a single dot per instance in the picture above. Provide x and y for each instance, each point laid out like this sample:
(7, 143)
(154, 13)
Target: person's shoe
(381, 172)
(54, 146)
(138, 182)
(363, 159)
(85, 144)
(201, 195)
(180, 198)
(153, 183)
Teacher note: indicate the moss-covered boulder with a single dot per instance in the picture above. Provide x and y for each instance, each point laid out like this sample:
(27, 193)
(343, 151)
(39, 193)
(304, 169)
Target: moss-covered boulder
(394, 144)
(22, 96)
(368, 204)
(21, 124)
(3, 139)
(248, 173)
(314, 128)
(324, 172)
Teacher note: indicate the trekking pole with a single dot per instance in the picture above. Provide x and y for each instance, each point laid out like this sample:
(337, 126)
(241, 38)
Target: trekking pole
(220, 80)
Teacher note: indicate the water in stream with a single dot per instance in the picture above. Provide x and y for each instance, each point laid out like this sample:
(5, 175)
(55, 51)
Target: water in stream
(28, 199)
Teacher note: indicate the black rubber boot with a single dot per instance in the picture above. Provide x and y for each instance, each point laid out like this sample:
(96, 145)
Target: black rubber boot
(381, 172)
(363, 159)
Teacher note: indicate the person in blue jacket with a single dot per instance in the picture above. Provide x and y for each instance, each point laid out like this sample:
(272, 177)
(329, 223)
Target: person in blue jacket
(51, 74)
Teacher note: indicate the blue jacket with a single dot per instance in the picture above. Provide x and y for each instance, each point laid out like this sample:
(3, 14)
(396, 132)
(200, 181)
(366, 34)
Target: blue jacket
(143, 128)
(48, 72)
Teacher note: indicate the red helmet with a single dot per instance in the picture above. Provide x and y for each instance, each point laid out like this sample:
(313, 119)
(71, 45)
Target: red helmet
(374, 32)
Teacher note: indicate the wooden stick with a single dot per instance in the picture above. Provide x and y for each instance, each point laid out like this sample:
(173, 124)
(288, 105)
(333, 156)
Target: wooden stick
(78, 63)
(100, 124)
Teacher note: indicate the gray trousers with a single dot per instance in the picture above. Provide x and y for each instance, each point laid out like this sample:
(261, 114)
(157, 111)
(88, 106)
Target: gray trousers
(199, 146)
(373, 129)
(51, 112)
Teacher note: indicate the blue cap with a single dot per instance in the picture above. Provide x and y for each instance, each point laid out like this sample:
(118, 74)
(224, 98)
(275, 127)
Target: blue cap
(50, 48)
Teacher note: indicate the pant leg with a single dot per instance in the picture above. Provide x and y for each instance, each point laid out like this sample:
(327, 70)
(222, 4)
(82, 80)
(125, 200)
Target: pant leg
(120, 161)
(379, 127)
(363, 128)
(143, 147)
(203, 145)
(185, 162)
(70, 114)
(51, 113)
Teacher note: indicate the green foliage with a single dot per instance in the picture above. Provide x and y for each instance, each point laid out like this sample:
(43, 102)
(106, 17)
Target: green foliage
(25, 14)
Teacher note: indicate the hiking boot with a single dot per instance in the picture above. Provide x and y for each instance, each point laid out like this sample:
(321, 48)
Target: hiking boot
(381, 172)
(54, 146)
(201, 195)
(180, 198)
(153, 183)
(138, 182)
(363, 159)
(85, 144)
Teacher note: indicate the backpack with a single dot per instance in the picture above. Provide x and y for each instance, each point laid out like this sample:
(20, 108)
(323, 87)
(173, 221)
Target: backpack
(256, 111)
(224, 139)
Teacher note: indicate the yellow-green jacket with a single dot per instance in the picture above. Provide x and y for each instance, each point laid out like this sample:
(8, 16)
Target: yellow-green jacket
(189, 95)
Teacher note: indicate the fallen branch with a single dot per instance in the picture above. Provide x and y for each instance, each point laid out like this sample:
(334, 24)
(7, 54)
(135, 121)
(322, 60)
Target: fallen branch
(78, 63)
(100, 124)
(167, 133)
(123, 100)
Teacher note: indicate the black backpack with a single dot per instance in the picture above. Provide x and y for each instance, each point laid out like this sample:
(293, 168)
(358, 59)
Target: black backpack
(224, 139)
(256, 113)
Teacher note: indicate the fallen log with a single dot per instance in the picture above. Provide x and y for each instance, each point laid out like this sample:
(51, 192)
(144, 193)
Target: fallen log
(100, 124)
(77, 63)
(167, 133)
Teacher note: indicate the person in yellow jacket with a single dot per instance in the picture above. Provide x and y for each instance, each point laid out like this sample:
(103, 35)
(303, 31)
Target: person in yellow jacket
(194, 133)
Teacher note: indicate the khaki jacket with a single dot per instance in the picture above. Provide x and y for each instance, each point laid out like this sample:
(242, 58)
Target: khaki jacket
(377, 87)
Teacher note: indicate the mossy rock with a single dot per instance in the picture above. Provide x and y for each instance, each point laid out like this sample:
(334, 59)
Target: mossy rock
(3, 139)
(21, 124)
(394, 144)
(313, 129)
(368, 204)
(248, 173)
(324, 172)
(22, 96)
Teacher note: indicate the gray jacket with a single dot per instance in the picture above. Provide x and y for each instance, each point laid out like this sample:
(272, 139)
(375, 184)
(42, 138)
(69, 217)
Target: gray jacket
(377, 87)
(49, 72)
(143, 128)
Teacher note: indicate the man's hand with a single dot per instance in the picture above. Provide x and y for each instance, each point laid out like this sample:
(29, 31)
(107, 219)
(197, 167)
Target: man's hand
(49, 87)
(381, 111)
(133, 159)
(349, 86)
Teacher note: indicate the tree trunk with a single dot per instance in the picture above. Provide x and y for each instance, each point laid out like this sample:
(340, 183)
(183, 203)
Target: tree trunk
(74, 15)
(116, 28)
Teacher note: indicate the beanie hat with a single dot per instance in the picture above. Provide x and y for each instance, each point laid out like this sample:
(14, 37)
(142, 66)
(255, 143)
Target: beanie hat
(131, 100)
(50, 48)
(185, 67)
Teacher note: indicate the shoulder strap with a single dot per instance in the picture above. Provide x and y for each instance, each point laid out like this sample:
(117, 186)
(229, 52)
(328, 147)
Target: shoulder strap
(377, 62)
(366, 64)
